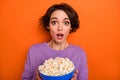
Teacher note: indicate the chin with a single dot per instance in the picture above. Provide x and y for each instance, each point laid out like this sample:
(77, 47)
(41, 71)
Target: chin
(59, 41)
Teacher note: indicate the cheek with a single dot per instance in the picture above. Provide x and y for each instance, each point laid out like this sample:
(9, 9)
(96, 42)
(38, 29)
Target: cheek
(52, 32)
(67, 32)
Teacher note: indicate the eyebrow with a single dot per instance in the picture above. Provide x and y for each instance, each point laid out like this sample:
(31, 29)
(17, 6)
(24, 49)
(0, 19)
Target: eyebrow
(57, 18)
(66, 19)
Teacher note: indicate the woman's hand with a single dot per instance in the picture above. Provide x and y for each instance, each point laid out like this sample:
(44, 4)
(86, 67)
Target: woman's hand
(37, 77)
(75, 75)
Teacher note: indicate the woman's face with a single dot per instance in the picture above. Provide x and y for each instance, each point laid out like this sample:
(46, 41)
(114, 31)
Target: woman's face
(59, 26)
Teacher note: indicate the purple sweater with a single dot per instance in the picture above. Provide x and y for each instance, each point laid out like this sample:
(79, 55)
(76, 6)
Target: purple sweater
(38, 53)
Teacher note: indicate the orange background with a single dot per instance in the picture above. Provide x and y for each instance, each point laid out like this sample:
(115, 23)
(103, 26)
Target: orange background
(99, 35)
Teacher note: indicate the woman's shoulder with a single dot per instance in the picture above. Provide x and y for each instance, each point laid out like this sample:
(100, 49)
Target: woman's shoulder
(77, 47)
(79, 50)
(37, 45)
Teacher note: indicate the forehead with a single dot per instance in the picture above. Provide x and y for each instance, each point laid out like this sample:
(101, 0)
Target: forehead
(59, 14)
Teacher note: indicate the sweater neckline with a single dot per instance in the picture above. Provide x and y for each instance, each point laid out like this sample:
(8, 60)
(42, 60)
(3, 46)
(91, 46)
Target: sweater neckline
(57, 51)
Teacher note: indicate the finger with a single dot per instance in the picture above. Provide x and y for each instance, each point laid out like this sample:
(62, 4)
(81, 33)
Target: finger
(75, 75)
(76, 72)
(37, 75)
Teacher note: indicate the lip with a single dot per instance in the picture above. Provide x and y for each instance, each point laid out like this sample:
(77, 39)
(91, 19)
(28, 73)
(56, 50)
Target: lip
(59, 36)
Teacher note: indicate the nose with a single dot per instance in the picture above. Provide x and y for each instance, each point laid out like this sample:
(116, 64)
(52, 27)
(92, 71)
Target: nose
(60, 28)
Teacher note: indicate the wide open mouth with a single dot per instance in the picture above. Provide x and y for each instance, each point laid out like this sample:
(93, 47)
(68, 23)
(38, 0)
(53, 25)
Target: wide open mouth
(60, 36)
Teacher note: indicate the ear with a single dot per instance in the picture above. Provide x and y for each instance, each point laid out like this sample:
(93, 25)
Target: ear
(70, 30)
(47, 27)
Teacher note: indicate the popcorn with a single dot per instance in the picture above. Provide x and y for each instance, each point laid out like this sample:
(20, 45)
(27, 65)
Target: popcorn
(56, 67)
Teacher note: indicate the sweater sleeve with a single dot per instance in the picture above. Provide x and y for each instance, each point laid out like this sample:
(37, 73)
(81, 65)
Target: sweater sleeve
(28, 73)
(83, 71)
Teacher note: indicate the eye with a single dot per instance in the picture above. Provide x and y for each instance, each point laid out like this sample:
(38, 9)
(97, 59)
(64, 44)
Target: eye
(53, 22)
(66, 23)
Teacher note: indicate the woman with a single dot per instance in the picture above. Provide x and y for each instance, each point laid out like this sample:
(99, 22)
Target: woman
(60, 20)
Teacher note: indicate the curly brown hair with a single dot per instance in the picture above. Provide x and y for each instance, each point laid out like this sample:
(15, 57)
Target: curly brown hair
(72, 14)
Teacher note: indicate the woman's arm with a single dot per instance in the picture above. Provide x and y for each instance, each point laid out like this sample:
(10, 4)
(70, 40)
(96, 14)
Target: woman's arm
(28, 71)
(83, 72)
